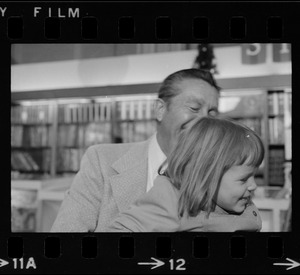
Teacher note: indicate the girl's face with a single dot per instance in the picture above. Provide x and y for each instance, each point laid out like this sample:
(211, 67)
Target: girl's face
(235, 188)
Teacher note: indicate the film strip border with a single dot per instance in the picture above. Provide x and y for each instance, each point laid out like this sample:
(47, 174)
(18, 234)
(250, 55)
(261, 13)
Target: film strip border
(162, 22)
(140, 253)
(148, 21)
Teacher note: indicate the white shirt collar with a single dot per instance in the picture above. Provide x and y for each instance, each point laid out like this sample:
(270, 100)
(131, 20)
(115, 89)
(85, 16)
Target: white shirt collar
(155, 158)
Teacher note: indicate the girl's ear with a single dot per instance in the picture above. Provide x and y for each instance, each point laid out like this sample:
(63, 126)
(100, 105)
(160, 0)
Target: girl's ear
(160, 108)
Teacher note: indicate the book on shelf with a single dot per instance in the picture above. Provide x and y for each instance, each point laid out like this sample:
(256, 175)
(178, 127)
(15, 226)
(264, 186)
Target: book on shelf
(275, 103)
(23, 161)
(149, 109)
(135, 131)
(35, 136)
(33, 165)
(97, 133)
(85, 112)
(139, 110)
(80, 113)
(69, 159)
(67, 135)
(276, 130)
(71, 135)
(131, 107)
(90, 112)
(102, 112)
(288, 125)
(276, 166)
(16, 136)
(18, 162)
(81, 135)
(39, 114)
(74, 114)
(43, 158)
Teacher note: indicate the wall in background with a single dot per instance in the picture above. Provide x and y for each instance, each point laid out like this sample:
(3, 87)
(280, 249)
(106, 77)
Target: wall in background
(135, 69)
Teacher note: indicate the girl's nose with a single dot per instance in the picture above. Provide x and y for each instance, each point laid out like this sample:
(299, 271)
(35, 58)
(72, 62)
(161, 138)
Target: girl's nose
(251, 184)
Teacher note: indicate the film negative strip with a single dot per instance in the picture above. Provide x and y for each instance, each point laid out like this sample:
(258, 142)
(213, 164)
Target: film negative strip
(263, 34)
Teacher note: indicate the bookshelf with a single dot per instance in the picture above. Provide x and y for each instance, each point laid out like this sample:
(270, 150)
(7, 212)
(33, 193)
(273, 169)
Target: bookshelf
(32, 139)
(80, 125)
(279, 138)
(52, 138)
(135, 118)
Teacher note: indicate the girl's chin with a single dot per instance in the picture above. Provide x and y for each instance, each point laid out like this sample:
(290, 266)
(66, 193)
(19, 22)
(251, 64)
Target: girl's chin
(237, 210)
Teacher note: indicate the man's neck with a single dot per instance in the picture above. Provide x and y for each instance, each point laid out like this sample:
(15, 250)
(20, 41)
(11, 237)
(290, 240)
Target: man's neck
(162, 144)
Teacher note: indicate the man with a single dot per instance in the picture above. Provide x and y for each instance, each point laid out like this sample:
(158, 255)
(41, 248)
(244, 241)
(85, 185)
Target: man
(113, 176)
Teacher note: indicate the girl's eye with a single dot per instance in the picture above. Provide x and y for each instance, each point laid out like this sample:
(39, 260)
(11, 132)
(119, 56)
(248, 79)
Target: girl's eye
(244, 180)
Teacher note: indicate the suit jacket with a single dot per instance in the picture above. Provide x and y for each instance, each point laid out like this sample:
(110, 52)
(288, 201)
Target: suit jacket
(111, 177)
(157, 211)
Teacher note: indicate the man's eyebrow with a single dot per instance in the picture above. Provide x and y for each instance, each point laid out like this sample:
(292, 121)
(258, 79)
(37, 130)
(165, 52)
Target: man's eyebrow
(195, 100)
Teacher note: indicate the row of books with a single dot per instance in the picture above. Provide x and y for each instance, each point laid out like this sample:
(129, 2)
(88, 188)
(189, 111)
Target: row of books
(16, 135)
(135, 110)
(137, 131)
(33, 114)
(276, 102)
(276, 166)
(31, 136)
(34, 161)
(288, 125)
(68, 159)
(85, 112)
(276, 130)
(74, 135)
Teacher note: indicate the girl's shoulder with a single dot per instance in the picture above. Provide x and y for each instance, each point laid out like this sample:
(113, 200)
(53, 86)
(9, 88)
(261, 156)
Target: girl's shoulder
(164, 183)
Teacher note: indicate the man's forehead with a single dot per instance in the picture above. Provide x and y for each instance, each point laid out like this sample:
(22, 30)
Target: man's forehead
(196, 89)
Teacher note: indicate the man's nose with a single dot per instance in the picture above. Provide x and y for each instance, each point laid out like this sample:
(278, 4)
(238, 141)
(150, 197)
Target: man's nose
(203, 113)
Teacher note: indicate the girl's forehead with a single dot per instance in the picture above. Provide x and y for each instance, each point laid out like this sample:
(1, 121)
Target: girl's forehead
(242, 169)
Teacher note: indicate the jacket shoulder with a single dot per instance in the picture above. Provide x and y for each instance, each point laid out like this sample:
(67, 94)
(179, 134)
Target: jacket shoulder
(113, 151)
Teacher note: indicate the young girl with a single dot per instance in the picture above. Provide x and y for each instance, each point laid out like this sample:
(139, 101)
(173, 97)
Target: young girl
(207, 185)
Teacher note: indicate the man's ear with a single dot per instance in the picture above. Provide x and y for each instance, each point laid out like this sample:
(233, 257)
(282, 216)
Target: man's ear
(160, 108)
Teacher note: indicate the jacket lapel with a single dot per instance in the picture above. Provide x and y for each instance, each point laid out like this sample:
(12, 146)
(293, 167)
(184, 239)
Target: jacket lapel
(130, 182)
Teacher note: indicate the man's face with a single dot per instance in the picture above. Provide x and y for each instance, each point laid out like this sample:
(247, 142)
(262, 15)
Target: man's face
(235, 188)
(195, 99)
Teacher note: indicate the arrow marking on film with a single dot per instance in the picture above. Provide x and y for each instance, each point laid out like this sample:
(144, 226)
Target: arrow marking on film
(291, 265)
(3, 262)
(155, 264)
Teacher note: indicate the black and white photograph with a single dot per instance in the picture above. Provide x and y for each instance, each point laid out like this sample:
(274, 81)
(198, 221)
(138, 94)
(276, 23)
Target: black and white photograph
(151, 137)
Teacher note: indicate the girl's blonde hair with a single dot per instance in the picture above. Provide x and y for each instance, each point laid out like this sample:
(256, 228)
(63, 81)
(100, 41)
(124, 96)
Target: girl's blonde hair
(203, 153)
